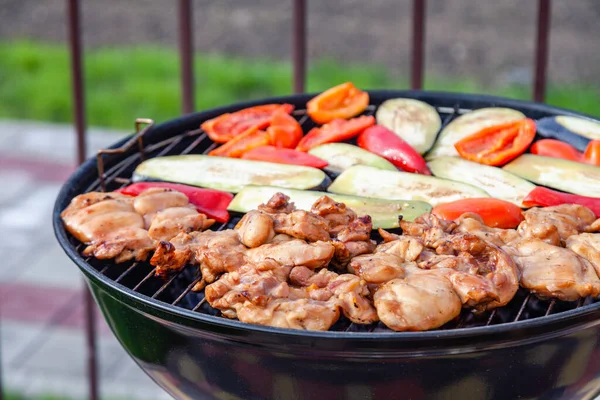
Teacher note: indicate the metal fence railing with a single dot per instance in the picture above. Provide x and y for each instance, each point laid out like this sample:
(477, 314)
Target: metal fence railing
(299, 61)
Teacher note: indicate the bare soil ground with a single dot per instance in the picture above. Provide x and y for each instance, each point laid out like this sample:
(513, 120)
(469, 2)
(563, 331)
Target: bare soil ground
(490, 40)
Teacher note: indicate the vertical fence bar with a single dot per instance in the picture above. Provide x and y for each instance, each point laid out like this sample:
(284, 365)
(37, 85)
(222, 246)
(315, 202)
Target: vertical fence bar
(79, 115)
(299, 45)
(418, 44)
(186, 50)
(541, 50)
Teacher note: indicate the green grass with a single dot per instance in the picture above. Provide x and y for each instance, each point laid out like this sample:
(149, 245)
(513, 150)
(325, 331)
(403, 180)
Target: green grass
(125, 83)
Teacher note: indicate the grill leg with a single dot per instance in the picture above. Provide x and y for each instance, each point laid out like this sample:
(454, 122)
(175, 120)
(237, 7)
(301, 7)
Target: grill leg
(79, 115)
(418, 39)
(541, 50)
(186, 51)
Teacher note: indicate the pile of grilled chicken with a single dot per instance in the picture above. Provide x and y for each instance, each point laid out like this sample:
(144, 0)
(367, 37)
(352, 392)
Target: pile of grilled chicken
(300, 269)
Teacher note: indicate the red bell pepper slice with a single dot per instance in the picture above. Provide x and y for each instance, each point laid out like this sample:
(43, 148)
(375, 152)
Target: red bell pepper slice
(211, 202)
(496, 145)
(284, 156)
(337, 130)
(557, 149)
(385, 143)
(240, 144)
(227, 126)
(544, 197)
(495, 213)
(284, 131)
(592, 153)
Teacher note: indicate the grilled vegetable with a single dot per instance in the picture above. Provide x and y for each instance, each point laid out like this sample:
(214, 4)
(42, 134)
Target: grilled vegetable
(284, 156)
(213, 203)
(284, 131)
(381, 141)
(496, 182)
(575, 130)
(227, 126)
(242, 143)
(384, 213)
(414, 121)
(556, 149)
(229, 174)
(498, 144)
(568, 176)
(341, 156)
(337, 130)
(342, 101)
(468, 124)
(592, 153)
(361, 180)
(544, 197)
(494, 212)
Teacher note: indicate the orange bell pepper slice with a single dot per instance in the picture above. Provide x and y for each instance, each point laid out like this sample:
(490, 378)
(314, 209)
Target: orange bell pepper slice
(496, 145)
(284, 131)
(494, 212)
(227, 126)
(342, 101)
(337, 130)
(592, 153)
(239, 145)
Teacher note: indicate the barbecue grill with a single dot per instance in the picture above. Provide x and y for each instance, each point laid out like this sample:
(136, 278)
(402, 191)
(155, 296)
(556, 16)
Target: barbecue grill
(530, 348)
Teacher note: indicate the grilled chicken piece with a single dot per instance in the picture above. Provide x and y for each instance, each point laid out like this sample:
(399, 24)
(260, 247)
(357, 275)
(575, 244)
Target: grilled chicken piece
(377, 268)
(337, 215)
(259, 293)
(407, 248)
(552, 271)
(483, 275)
(153, 200)
(168, 223)
(555, 224)
(255, 229)
(587, 245)
(302, 225)
(423, 300)
(473, 224)
(196, 247)
(256, 283)
(293, 253)
(353, 240)
(428, 227)
(278, 203)
(108, 224)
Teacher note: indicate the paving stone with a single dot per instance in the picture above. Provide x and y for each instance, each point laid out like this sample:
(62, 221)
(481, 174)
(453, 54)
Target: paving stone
(14, 183)
(51, 267)
(15, 338)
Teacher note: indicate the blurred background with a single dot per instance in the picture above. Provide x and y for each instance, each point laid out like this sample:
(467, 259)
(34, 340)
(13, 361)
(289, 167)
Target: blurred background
(242, 51)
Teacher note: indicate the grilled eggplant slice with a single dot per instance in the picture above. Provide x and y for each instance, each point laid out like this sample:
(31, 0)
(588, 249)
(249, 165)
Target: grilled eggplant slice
(384, 213)
(362, 180)
(228, 174)
(342, 156)
(468, 124)
(414, 121)
(496, 182)
(565, 175)
(574, 130)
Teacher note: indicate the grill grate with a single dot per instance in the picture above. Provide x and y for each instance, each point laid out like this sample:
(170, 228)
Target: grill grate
(177, 290)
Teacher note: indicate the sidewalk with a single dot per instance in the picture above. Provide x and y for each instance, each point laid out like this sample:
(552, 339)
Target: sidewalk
(42, 342)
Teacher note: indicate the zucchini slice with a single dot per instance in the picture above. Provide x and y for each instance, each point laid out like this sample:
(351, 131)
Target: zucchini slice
(565, 175)
(342, 156)
(362, 180)
(228, 174)
(384, 213)
(414, 121)
(496, 182)
(468, 124)
(574, 130)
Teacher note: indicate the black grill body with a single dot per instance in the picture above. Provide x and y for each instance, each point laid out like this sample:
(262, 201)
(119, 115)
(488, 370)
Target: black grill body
(530, 349)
